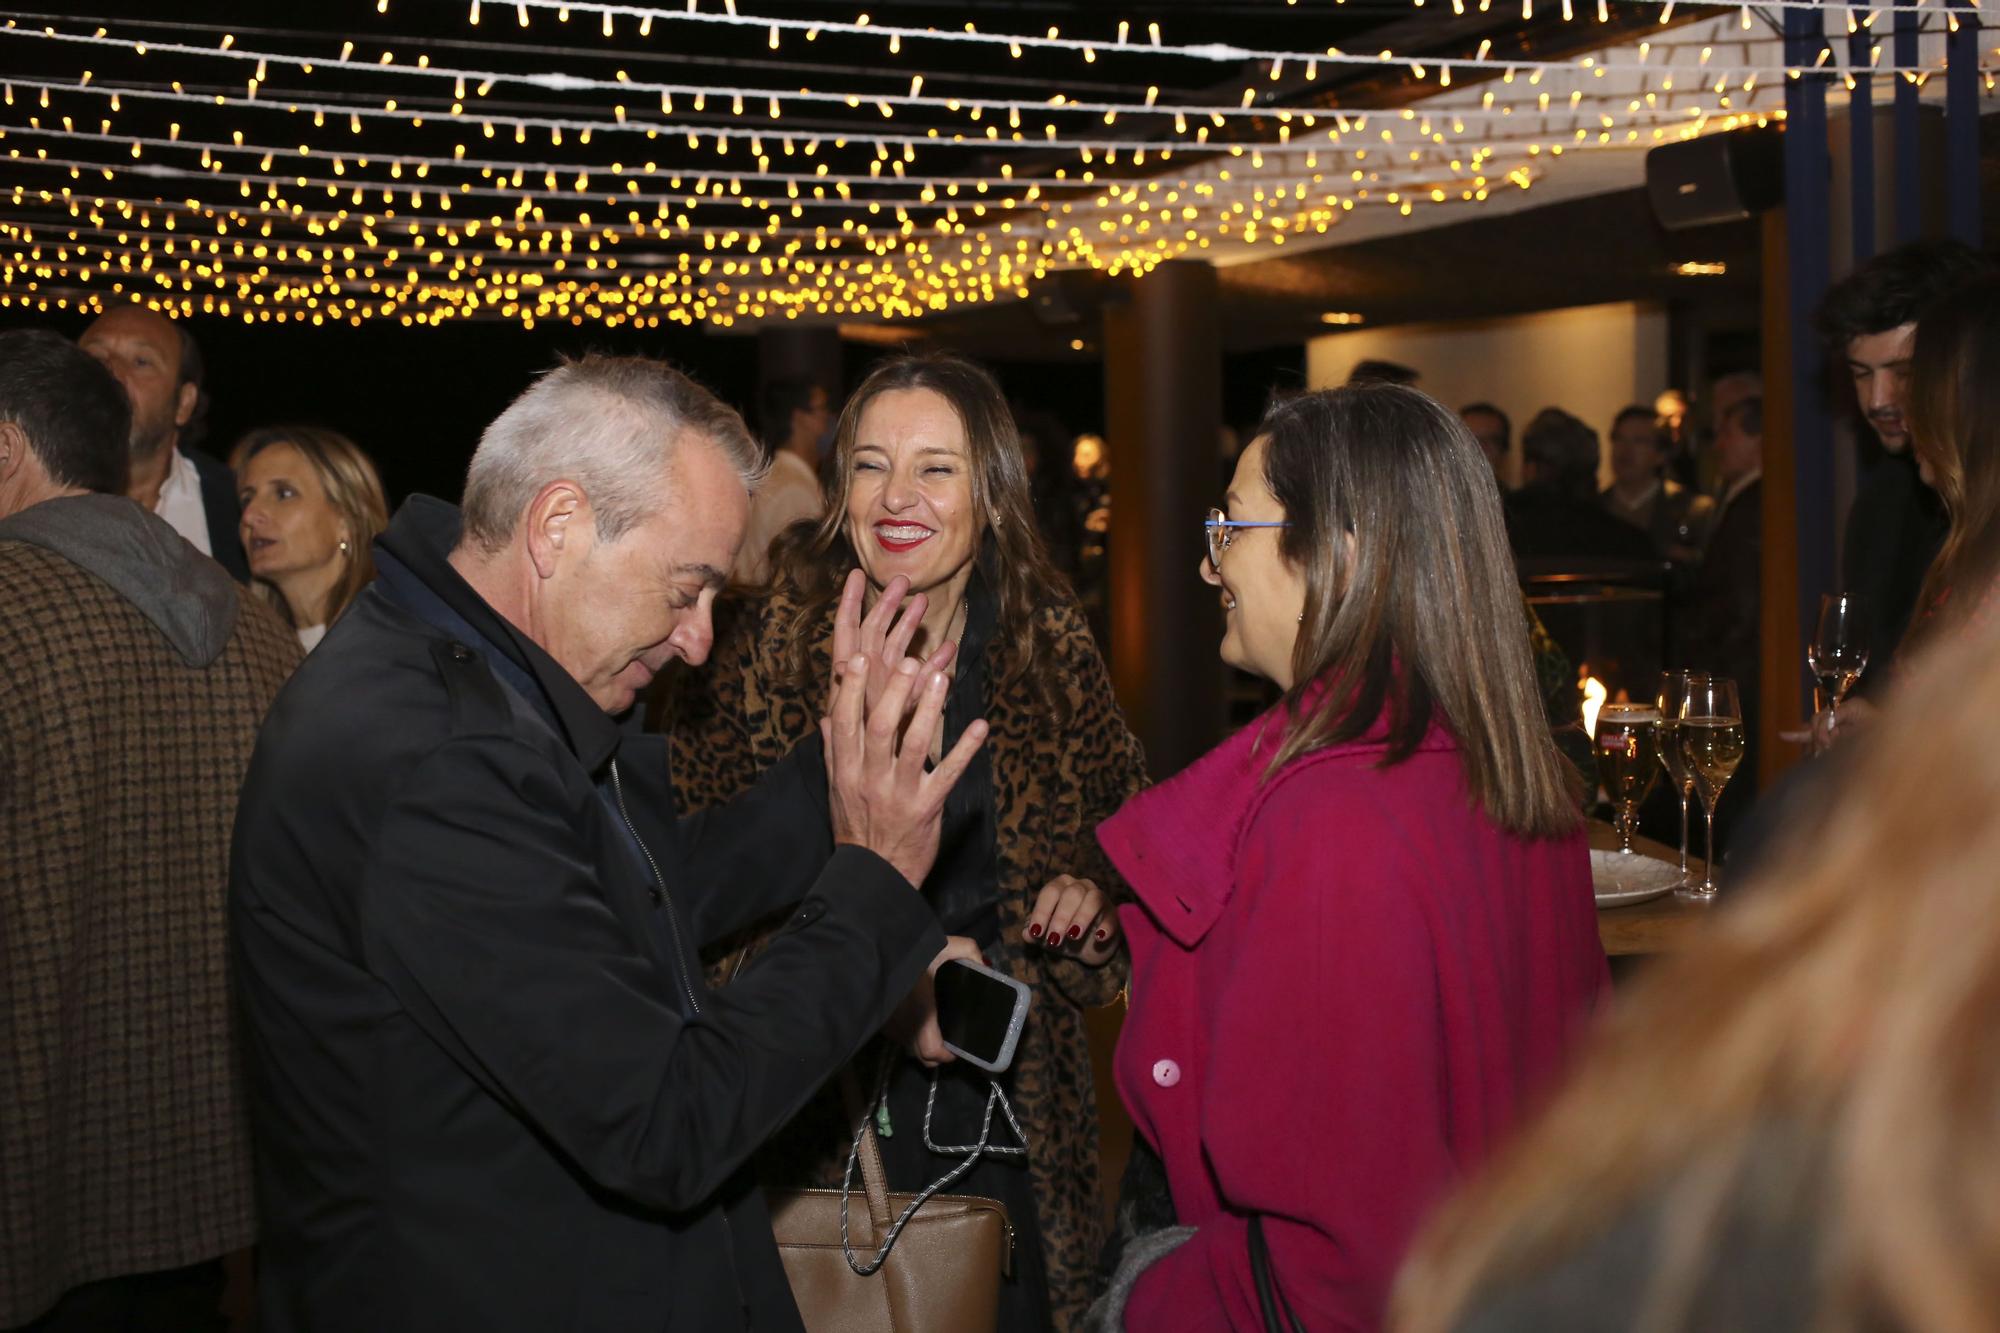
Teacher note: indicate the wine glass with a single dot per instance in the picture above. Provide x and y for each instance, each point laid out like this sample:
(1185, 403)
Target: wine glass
(1712, 742)
(1837, 654)
(1673, 694)
(1627, 743)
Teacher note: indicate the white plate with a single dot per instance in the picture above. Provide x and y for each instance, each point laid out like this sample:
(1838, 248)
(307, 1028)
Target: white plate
(1622, 879)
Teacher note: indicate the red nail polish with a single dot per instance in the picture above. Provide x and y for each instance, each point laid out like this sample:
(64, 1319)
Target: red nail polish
(1035, 931)
(1076, 932)
(1103, 935)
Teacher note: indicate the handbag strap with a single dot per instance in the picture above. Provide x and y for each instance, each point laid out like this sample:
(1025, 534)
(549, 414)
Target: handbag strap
(1270, 1296)
(866, 1145)
(874, 1177)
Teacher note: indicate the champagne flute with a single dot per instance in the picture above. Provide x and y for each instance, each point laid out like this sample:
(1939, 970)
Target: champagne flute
(1627, 743)
(1712, 742)
(1673, 693)
(1837, 654)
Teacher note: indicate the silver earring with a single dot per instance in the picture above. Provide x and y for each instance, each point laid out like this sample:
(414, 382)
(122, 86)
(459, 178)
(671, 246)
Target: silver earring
(343, 546)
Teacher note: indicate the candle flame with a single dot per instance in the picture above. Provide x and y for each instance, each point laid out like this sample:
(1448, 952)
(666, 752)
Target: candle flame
(1594, 695)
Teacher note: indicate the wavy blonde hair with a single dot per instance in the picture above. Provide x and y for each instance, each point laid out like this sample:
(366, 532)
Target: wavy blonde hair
(1848, 1001)
(353, 488)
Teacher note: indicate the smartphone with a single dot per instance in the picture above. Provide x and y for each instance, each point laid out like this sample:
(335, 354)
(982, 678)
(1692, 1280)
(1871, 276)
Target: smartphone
(980, 1012)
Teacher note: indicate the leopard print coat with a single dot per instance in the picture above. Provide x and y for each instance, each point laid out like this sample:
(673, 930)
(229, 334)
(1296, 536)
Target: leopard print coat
(1051, 787)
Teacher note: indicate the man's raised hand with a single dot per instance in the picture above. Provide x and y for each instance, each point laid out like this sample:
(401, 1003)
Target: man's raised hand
(882, 636)
(884, 795)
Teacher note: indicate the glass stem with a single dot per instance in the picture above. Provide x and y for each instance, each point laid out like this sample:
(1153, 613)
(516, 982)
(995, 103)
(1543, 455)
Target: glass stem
(1684, 835)
(1708, 846)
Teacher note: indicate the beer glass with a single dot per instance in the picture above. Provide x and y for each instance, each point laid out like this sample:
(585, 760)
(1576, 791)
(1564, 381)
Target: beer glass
(1628, 760)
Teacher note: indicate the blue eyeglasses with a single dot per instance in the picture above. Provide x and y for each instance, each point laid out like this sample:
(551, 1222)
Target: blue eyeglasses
(1221, 531)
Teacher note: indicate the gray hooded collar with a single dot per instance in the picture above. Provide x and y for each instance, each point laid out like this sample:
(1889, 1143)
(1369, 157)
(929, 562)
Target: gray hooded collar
(183, 592)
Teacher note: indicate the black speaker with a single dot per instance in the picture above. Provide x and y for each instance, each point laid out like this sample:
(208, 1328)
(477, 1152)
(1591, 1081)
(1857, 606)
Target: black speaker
(1716, 178)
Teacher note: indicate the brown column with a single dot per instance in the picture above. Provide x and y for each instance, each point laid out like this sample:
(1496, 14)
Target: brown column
(1163, 412)
(1782, 704)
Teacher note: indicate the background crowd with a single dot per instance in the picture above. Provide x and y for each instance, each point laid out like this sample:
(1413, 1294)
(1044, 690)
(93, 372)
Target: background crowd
(1357, 939)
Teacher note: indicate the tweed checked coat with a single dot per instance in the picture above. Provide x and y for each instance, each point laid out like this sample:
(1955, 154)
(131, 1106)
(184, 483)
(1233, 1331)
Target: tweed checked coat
(123, 1146)
(1051, 786)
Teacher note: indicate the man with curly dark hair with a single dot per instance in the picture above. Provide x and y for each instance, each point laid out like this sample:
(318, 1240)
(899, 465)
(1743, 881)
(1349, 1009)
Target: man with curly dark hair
(1869, 321)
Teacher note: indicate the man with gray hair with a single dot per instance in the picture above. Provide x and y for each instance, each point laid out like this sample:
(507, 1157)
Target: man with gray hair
(489, 1087)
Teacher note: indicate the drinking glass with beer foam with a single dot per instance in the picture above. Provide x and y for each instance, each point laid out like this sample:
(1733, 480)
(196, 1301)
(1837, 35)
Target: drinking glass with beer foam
(1712, 740)
(1628, 760)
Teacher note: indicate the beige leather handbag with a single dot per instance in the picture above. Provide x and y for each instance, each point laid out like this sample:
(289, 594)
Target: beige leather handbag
(942, 1276)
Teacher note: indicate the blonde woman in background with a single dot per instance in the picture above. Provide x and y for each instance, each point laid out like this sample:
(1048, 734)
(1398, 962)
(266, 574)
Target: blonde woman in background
(312, 505)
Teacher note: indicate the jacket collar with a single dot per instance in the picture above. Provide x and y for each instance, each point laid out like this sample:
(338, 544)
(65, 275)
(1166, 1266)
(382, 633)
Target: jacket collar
(420, 539)
(1176, 844)
(183, 593)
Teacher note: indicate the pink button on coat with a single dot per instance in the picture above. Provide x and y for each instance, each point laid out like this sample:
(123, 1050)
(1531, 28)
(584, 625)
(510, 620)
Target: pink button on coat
(1346, 983)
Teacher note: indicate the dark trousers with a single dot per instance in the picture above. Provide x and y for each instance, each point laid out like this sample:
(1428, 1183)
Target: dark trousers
(179, 1300)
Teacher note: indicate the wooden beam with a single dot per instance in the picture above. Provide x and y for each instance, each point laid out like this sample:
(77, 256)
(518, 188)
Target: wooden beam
(1782, 704)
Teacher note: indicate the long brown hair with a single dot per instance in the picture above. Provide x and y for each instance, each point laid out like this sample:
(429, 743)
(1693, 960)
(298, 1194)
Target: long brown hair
(1411, 601)
(1011, 550)
(353, 488)
(1847, 1002)
(1954, 411)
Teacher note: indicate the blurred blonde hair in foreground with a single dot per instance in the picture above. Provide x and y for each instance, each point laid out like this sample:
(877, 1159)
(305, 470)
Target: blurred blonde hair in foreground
(1850, 1002)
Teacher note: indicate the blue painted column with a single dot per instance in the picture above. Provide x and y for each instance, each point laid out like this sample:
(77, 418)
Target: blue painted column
(1861, 147)
(1909, 156)
(1808, 245)
(1961, 123)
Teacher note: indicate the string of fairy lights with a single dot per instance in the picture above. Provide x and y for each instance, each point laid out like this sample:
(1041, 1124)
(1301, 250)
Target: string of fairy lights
(283, 174)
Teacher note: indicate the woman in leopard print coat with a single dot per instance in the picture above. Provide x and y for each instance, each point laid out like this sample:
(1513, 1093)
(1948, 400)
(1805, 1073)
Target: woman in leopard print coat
(931, 486)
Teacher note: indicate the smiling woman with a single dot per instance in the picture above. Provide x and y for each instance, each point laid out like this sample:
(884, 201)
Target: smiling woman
(1369, 911)
(312, 507)
(931, 485)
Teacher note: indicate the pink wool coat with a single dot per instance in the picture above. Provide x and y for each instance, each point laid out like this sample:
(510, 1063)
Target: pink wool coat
(1346, 983)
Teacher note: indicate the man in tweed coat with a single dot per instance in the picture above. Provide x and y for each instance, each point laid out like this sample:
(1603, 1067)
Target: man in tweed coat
(133, 675)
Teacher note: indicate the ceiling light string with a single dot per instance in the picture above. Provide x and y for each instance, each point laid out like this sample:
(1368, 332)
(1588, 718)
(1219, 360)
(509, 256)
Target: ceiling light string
(770, 99)
(1213, 52)
(813, 141)
(1197, 193)
(1195, 203)
(362, 158)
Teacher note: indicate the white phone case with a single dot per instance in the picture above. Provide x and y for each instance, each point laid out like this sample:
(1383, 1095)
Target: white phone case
(1023, 997)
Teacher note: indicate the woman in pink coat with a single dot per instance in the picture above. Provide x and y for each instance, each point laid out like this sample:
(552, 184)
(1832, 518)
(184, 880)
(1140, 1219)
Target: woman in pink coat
(1365, 934)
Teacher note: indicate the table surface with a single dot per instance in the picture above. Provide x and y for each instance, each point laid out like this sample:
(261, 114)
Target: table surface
(1659, 925)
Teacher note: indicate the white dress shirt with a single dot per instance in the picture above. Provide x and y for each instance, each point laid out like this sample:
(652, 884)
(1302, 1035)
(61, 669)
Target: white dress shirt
(180, 502)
